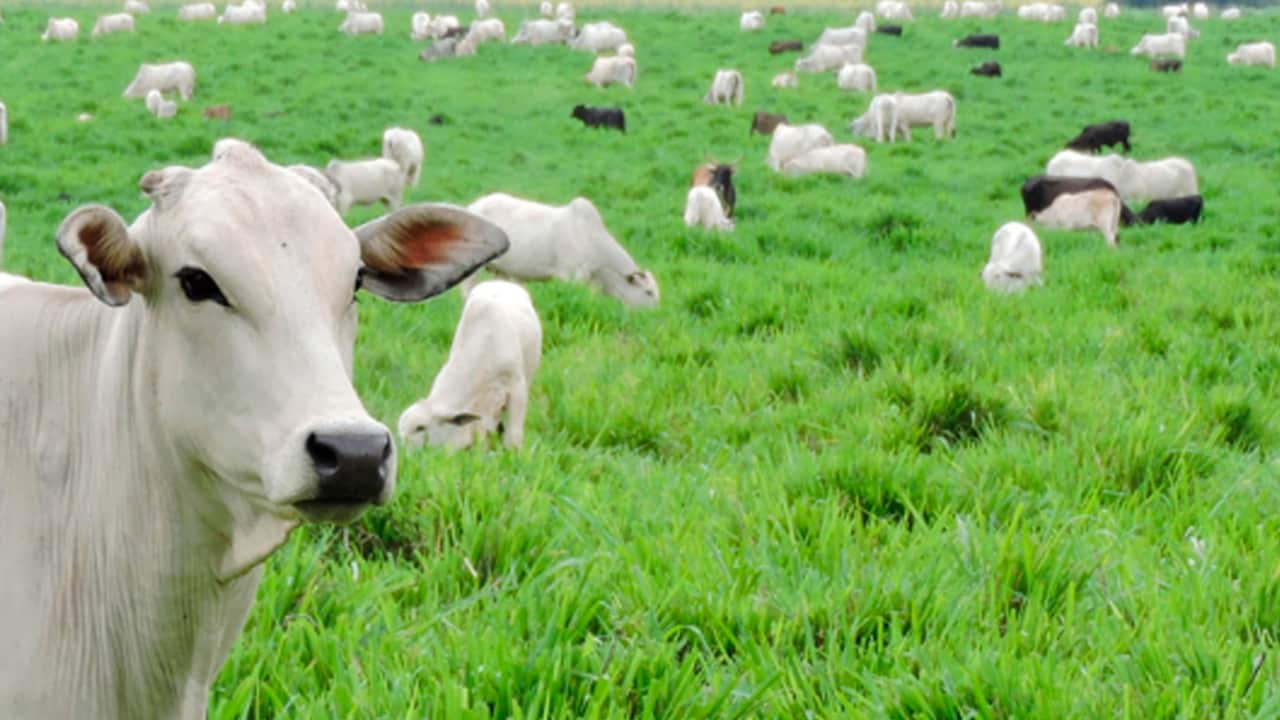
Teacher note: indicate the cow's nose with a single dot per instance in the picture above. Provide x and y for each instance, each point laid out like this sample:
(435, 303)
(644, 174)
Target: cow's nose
(351, 466)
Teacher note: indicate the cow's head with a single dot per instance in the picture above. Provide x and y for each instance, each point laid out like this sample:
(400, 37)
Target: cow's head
(242, 281)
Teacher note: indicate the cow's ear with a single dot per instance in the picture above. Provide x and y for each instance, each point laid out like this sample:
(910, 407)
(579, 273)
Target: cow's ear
(96, 241)
(422, 250)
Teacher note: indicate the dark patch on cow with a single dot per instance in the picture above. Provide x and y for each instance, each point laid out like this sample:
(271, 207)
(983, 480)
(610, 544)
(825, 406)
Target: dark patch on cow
(457, 32)
(1039, 192)
(1179, 210)
(990, 68)
(979, 40)
(1095, 137)
(1166, 66)
(765, 122)
(600, 117)
(889, 30)
(781, 46)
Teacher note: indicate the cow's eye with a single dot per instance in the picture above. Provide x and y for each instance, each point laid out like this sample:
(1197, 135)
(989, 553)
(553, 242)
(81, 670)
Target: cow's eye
(198, 286)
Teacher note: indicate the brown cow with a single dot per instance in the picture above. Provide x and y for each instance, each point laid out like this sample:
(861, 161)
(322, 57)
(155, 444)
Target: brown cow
(217, 112)
(781, 46)
(765, 122)
(777, 10)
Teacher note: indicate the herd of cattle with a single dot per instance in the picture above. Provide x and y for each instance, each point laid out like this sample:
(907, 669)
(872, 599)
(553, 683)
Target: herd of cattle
(169, 425)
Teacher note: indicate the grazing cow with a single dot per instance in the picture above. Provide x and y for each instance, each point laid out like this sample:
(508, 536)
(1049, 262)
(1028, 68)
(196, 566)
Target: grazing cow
(990, 68)
(1230, 13)
(1016, 261)
(890, 30)
(1173, 210)
(856, 77)
(246, 13)
(1157, 46)
(366, 182)
(1111, 10)
(107, 24)
(1085, 36)
(61, 29)
(781, 46)
(362, 23)
(158, 106)
(317, 179)
(546, 9)
(719, 177)
(566, 242)
(1152, 180)
(165, 77)
(702, 208)
(136, 7)
(1095, 137)
(777, 10)
(197, 11)
(751, 21)
(936, 108)
(600, 117)
(866, 22)
(981, 40)
(1259, 53)
(726, 89)
(791, 141)
(880, 121)
(1088, 16)
(488, 30)
(1039, 192)
(482, 9)
(404, 147)
(785, 80)
(846, 159)
(543, 32)
(852, 35)
(495, 352)
(1089, 210)
(195, 406)
(949, 10)
(764, 122)
(822, 58)
(1167, 66)
(599, 37)
(1180, 26)
(610, 70)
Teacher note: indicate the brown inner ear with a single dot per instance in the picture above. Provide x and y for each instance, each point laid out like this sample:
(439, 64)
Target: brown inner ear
(116, 262)
(419, 245)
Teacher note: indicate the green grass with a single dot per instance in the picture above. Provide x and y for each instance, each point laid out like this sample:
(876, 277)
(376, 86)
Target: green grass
(831, 476)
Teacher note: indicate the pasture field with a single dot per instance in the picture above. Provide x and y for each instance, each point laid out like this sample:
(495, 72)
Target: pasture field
(831, 476)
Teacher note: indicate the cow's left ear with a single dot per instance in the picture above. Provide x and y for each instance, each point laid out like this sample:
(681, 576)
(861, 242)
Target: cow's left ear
(422, 250)
(96, 241)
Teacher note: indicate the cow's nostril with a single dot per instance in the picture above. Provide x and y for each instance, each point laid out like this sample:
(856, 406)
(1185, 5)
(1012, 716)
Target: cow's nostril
(323, 455)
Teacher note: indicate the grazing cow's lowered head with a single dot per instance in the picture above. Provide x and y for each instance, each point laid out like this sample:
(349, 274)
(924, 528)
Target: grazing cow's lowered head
(765, 122)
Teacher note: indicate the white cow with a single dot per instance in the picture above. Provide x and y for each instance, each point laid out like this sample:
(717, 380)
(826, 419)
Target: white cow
(893, 10)
(610, 70)
(726, 89)
(197, 11)
(160, 107)
(114, 23)
(846, 159)
(1089, 210)
(362, 23)
(288, 6)
(936, 108)
(1200, 11)
(751, 21)
(482, 9)
(546, 9)
(566, 242)
(1259, 53)
(880, 121)
(565, 11)
(1231, 13)
(1180, 26)
(856, 77)
(1167, 45)
(1083, 35)
(496, 350)
(543, 32)
(1043, 12)
(136, 7)
(488, 30)
(440, 25)
(318, 179)
(785, 80)
(792, 141)
(1169, 177)
(950, 10)
(866, 22)
(246, 13)
(702, 207)
(366, 182)
(598, 37)
(852, 35)
(61, 29)
(166, 77)
(195, 406)
(419, 26)
(4, 124)
(1088, 16)
(1179, 9)
(1111, 10)
(822, 58)
(1016, 261)
(404, 147)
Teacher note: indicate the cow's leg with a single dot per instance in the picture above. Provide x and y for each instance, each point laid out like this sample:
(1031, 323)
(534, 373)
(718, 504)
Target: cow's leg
(517, 409)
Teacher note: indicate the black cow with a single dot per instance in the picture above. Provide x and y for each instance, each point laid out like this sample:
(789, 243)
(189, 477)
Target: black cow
(1094, 137)
(781, 46)
(991, 68)
(1177, 210)
(1040, 191)
(764, 122)
(889, 30)
(1174, 66)
(981, 40)
(600, 117)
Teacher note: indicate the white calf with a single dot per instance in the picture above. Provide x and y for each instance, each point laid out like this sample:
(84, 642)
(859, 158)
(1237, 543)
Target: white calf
(107, 24)
(751, 21)
(365, 182)
(160, 107)
(361, 23)
(880, 121)
(60, 29)
(726, 89)
(610, 70)
(1259, 53)
(404, 147)
(846, 159)
(1111, 10)
(1083, 35)
(702, 207)
(785, 80)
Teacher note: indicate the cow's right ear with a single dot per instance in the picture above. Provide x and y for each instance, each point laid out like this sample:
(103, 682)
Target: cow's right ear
(96, 241)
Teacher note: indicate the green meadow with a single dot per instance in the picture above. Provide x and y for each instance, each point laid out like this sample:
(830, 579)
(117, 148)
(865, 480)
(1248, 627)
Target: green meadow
(831, 475)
